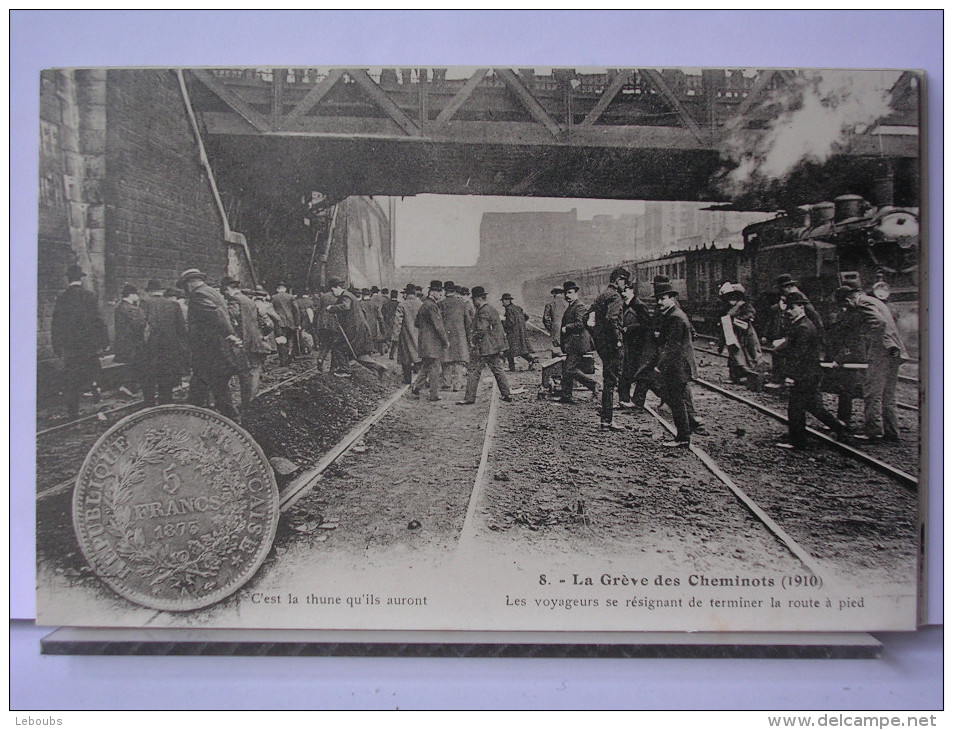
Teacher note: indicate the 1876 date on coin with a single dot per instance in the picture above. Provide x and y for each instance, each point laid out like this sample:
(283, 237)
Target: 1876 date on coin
(175, 507)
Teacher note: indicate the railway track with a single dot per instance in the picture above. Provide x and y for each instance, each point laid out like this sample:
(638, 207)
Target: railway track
(900, 404)
(103, 417)
(908, 480)
(902, 378)
(760, 514)
(103, 414)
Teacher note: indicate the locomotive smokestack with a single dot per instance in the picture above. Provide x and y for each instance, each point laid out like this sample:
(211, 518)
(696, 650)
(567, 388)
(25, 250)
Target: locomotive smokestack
(883, 190)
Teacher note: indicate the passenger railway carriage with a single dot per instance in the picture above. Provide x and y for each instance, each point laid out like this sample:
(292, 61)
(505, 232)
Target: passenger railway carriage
(822, 246)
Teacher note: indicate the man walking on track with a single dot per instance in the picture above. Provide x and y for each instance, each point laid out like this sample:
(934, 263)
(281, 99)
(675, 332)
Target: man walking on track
(487, 343)
(576, 343)
(404, 333)
(607, 329)
(432, 341)
(676, 362)
(514, 323)
(454, 312)
(802, 349)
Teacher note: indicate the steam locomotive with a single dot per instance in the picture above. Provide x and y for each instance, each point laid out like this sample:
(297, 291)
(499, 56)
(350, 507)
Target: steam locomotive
(822, 246)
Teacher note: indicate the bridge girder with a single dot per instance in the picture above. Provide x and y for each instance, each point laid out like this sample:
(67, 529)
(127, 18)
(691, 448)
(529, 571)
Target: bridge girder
(628, 133)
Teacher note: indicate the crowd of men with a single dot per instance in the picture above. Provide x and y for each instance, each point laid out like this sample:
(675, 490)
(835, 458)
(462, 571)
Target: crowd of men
(444, 336)
(441, 337)
(643, 350)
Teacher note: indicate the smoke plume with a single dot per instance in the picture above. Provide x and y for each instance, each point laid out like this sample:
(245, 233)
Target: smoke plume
(811, 116)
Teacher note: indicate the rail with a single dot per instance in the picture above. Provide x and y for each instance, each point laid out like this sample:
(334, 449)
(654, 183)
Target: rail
(828, 366)
(762, 516)
(908, 480)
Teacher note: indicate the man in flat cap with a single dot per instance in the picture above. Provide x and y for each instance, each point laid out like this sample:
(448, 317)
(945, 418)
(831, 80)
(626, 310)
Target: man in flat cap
(514, 324)
(79, 334)
(165, 355)
(211, 343)
(885, 352)
(575, 342)
(802, 350)
(553, 315)
(778, 323)
(432, 340)
(606, 322)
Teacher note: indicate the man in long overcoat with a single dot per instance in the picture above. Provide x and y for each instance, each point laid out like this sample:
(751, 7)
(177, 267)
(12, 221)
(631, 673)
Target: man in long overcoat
(431, 341)
(553, 315)
(286, 333)
(389, 309)
(737, 334)
(778, 322)
(676, 362)
(453, 309)
(356, 339)
(166, 349)
(211, 343)
(404, 333)
(487, 343)
(514, 324)
(247, 322)
(636, 331)
(79, 335)
(575, 342)
(129, 326)
(606, 313)
(378, 301)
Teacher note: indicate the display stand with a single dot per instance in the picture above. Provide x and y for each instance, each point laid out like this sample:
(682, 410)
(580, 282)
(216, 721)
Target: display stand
(279, 642)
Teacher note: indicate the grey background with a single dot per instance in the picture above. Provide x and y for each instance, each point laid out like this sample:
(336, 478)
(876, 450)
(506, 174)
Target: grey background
(908, 678)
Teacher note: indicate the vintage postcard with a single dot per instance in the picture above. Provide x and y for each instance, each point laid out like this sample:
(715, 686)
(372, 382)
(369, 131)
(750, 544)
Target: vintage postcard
(480, 349)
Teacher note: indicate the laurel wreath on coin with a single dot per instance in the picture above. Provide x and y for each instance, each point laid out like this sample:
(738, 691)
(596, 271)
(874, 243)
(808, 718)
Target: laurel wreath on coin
(168, 566)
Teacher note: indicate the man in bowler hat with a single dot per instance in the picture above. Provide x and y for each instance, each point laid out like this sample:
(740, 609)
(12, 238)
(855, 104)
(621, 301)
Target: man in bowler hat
(607, 329)
(575, 342)
(432, 341)
(487, 343)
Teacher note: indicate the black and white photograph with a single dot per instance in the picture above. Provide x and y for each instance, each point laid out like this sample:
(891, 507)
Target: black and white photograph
(496, 349)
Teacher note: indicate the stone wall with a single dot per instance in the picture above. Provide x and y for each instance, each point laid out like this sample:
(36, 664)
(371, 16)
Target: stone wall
(161, 216)
(122, 191)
